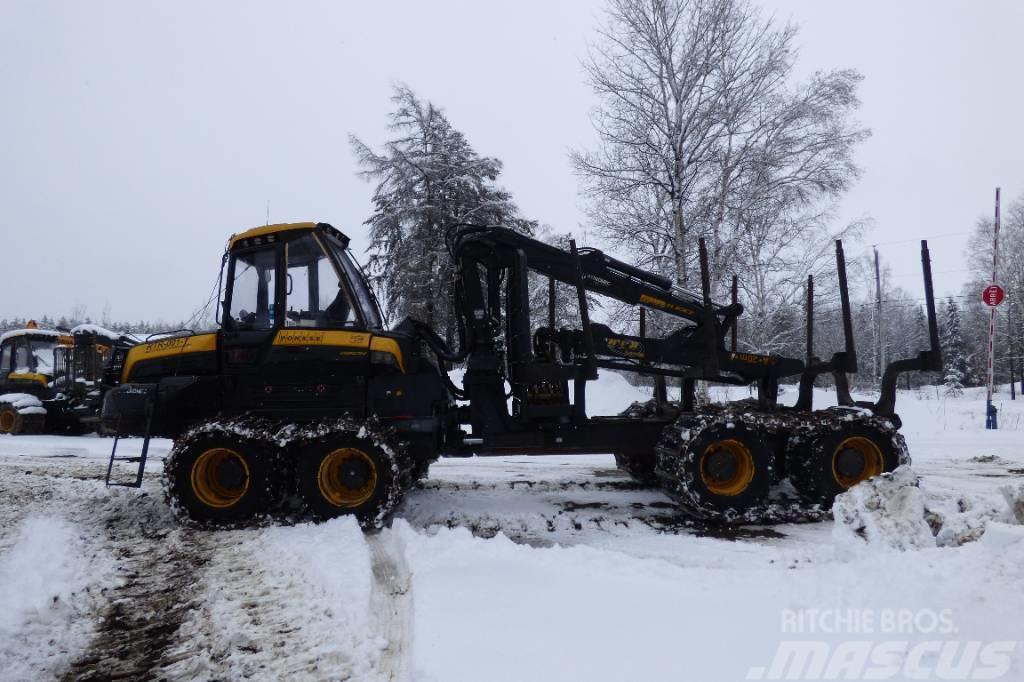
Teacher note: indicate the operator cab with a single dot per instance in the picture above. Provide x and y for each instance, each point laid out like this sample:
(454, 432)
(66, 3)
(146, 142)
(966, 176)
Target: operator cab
(296, 275)
(28, 357)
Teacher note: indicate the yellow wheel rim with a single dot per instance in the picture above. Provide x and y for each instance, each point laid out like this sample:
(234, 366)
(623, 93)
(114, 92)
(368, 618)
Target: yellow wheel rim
(7, 419)
(347, 477)
(856, 459)
(220, 478)
(727, 467)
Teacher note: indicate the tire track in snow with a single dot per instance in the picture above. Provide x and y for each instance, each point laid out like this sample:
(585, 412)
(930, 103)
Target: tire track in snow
(242, 626)
(160, 570)
(391, 605)
(139, 605)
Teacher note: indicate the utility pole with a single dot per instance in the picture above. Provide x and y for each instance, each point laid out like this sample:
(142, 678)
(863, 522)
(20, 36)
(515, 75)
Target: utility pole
(991, 419)
(1010, 345)
(879, 345)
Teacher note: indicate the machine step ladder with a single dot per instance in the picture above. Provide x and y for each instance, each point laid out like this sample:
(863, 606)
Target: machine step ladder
(139, 459)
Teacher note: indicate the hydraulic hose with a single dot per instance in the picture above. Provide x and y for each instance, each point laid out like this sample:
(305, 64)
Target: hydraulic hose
(444, 352)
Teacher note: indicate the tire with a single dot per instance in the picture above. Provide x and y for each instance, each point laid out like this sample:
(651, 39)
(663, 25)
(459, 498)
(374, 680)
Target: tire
(15, 423)
(833, 460)
(639, 466)
(721, 473)
(345, 474)
(218, 479)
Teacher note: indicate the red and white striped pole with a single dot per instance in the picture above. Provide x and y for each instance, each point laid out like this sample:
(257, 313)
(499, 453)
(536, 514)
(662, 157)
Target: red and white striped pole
(990, 413)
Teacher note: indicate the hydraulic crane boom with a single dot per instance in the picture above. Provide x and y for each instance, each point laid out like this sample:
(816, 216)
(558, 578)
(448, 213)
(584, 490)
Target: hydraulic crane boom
(681, 354)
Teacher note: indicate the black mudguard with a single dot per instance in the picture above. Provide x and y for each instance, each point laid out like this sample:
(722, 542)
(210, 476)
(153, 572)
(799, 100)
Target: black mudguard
(172, 400)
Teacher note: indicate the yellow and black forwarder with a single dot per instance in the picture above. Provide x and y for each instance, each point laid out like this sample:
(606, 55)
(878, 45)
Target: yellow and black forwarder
(302, 389)
(53, 380)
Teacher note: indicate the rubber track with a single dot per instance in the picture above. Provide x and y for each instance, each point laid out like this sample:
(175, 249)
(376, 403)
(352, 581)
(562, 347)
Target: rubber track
(675, 466)
(283, 439)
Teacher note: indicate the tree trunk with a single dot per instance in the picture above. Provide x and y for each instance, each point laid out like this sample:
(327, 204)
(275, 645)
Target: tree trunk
(679, 230)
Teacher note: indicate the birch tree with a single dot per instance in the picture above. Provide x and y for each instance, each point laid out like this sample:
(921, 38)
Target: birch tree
(704, 132)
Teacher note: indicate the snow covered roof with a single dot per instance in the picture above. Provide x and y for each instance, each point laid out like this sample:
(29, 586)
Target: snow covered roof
(100, 331)
(29, 332)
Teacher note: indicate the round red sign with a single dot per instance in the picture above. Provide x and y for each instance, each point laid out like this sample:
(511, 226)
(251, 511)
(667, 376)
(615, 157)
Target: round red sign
(993, 295)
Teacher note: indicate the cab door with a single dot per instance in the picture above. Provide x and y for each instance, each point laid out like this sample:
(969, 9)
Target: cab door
(252, 313)
(320, 356)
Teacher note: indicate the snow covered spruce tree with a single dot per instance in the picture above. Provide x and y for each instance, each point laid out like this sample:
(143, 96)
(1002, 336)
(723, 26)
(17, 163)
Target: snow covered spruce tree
(953, 352)
(705, 132)
(429, 179)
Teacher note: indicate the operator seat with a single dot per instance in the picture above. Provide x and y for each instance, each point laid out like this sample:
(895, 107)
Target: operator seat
(339, 309)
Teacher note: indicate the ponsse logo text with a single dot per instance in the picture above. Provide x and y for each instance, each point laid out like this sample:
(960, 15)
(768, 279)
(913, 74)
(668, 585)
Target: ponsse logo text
(300, 337)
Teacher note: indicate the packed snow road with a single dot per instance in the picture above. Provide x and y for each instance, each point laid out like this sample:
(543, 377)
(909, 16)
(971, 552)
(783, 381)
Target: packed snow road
(520, 568)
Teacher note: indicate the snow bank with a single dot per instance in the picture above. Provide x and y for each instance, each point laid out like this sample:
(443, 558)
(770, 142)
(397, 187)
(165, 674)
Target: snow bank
(961, 518)
(1004, 536)
(611, 394)
(702, 610)
(886, 511)
(492, 609)
(45, 593)
(285, 603)
(892, 511)
(1014, 496)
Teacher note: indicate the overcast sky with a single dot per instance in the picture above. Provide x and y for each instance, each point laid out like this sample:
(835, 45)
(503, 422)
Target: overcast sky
(136, 136)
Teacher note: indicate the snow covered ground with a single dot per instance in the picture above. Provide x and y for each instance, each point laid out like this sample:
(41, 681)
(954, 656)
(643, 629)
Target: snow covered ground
(519, 568)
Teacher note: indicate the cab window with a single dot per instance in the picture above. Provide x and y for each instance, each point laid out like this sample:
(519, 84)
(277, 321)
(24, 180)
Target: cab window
(252, 290)
(316, 296)
(22, 362)
(5, 358)
(367, 303)
(43, 355)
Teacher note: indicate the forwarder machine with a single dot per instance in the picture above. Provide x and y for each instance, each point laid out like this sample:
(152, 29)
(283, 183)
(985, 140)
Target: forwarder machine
(302, 397)
(53, 380)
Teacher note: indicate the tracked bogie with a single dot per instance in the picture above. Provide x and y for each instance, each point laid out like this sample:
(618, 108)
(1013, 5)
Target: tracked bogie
(789, 436)
(279, 448)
